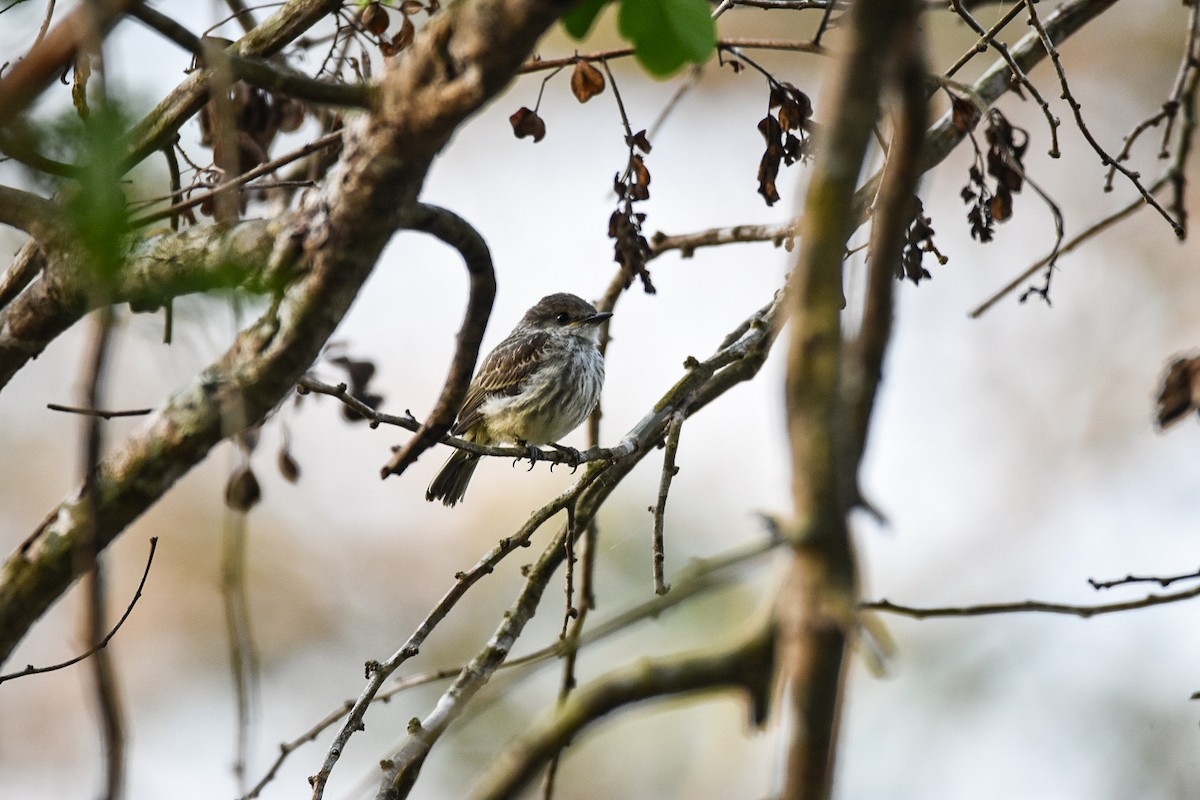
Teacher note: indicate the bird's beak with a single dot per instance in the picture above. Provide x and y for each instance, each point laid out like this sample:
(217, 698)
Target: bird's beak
(595, 319)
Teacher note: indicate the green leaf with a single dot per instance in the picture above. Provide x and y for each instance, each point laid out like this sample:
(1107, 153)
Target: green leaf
(666, 34)
(581, 19)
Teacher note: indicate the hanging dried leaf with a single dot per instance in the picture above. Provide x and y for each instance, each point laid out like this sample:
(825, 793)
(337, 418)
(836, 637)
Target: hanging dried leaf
(242, 493)
(412, 7)
(639, 141)
(639, 179)
(963, 114)
(768, 166)
(1180, 392)
(289, 468)
(586, 81)
(374, 18)
(527, 123)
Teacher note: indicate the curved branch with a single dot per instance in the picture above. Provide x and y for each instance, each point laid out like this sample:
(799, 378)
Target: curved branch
(459, 234)
(746, 666)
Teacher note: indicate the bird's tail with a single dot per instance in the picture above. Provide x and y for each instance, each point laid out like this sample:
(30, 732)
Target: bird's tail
(450, 484)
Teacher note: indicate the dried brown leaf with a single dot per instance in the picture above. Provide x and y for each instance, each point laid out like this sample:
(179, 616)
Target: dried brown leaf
(1180, 392)
(526, 122)
(374, 19)
(586, 81)
(242, 493)
(963, 114)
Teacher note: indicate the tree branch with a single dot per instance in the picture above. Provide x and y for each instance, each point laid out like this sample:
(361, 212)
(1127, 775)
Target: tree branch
(255, 71)
(815, 608)
(459, 234)
(160, 268)
(27, 212)
(28, 78)
(746, 666)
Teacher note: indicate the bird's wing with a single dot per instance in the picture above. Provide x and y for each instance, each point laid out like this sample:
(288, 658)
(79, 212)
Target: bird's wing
(502, 372)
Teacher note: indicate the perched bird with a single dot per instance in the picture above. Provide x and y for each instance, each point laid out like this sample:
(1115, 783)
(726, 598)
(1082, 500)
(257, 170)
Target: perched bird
(537, 386)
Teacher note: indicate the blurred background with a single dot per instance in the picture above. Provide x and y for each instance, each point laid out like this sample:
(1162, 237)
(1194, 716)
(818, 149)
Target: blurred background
(1014, 456)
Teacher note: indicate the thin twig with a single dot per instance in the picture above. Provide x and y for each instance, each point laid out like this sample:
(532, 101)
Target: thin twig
(1086, 235)
(137, 595)
(669, 471)
(378, 672)
(315, 145)
(1029, 606)
(1162, 580)
(1076, 109)
(97, 412)
(111, 716)
(539, 64)
(1018, 74)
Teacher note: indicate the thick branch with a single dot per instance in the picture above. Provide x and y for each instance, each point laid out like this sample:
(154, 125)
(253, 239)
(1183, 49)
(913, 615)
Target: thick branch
(747, 666)
(27, 212)
(163, 267)
(816, 605)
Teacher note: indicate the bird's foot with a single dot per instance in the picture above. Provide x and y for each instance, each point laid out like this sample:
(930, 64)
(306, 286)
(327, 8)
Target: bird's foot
(531, 452)
(573, 456)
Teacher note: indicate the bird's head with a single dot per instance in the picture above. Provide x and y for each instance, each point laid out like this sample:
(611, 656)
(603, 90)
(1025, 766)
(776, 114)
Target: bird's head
(566, 313)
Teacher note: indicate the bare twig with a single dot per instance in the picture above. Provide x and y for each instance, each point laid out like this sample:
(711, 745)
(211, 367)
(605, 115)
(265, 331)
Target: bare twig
(112, 726)
(696, 578)
(378, 672)
(1162, 580)
(540, 64)
(1029, 606)
(1084, 236)
(669, 471)
(97, 412)
(1076, 109)
(1018, 74)
(137, 595)
(320, 143)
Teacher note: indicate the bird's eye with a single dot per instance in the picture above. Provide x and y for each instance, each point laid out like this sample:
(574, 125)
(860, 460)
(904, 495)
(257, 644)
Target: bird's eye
(563, 318)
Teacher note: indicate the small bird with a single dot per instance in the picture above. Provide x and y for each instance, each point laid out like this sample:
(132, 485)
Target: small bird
(537, 386)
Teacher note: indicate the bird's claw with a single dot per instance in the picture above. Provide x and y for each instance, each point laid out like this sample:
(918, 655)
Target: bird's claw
(573, 456)
(531, 452)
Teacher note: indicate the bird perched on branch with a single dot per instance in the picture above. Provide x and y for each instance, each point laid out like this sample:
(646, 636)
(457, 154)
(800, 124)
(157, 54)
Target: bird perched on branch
(537, 386)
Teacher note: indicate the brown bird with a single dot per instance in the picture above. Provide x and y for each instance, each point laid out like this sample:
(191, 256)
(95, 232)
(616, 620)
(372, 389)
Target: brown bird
(537, 386)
